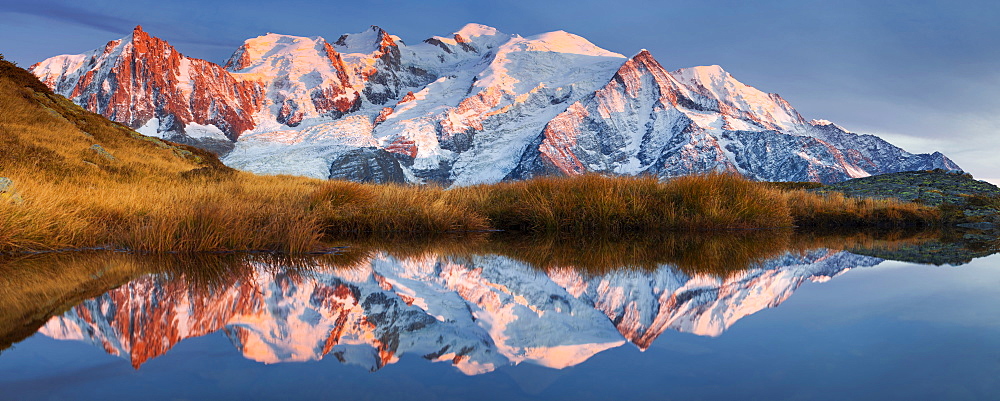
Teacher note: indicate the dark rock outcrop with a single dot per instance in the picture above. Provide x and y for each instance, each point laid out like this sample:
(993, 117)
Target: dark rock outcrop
(367, 165)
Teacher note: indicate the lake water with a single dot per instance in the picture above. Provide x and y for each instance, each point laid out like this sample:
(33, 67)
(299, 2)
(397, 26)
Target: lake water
(773, 317)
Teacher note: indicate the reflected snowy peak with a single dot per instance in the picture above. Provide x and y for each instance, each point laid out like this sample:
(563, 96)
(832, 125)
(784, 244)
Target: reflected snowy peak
(477, 312)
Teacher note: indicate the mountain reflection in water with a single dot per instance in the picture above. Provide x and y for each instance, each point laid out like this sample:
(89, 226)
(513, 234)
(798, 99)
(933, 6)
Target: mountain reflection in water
(477, 303)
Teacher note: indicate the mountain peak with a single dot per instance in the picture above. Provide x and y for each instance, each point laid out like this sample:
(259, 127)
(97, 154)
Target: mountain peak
(272, 45)
(471, 30)
(138, 34)
(271, 39)
(338, 97)
(826, 123)
(565, 42)
(646, 58)
(713, 70)
(371, 40)
(766, 110)
(711, 77)
(471, 38)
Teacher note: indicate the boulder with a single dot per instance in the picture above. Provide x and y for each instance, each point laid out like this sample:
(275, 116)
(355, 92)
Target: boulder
(102, 152)
(7, 192)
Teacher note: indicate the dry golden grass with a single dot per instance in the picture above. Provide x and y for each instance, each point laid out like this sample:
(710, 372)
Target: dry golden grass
(240, 211)
(837, 210)
(354, 209)
(594, 203)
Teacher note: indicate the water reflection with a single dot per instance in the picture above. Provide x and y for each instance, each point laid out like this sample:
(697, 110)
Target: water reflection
(478, 303)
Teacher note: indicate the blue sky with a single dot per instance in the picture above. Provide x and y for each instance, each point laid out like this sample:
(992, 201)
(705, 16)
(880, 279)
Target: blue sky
(923, 74)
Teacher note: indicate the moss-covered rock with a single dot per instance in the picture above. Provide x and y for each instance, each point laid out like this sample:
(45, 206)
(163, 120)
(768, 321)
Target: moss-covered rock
(962, 199)
(103, 152)
(930, 187)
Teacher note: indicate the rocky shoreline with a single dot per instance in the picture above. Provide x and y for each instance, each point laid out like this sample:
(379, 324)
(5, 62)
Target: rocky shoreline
(964, 201)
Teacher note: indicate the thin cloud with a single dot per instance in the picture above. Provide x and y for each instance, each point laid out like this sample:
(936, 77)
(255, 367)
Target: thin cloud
(119, 26)
(70, 14)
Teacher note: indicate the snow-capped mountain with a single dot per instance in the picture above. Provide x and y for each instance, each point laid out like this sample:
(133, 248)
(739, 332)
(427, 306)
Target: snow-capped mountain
(477, 106)
(477, 313)
(145, 83)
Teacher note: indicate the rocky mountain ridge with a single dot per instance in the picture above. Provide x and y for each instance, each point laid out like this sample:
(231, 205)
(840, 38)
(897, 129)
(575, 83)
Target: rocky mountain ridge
(477, 106)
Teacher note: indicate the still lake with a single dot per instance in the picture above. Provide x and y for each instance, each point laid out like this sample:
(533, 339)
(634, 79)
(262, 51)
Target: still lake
(744, 317)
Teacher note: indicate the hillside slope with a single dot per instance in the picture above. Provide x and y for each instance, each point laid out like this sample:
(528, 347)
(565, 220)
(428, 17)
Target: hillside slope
(46, 137)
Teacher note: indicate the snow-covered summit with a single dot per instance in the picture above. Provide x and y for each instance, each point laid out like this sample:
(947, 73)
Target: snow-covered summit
(264, 51)
(366, 42)
(826, 123)
(768, 110)
(471, 38)
(472, 30)
(564, 42)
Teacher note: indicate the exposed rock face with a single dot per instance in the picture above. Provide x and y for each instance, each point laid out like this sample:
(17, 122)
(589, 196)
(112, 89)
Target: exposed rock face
(478, 314)
(476, 106)
(367, 165)
(216, 145)
(142, 81)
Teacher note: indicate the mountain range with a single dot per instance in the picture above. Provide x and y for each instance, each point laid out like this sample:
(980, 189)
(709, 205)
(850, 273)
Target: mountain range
(477, 313)
(476, 106)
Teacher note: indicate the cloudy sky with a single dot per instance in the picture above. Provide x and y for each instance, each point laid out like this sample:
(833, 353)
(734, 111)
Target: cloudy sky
(925, 75)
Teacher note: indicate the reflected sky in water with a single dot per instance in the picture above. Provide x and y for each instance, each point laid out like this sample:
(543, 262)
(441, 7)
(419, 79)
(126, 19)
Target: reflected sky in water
(815, 324)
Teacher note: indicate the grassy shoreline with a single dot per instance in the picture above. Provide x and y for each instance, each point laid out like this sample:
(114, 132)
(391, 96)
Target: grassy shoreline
(223, 210)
